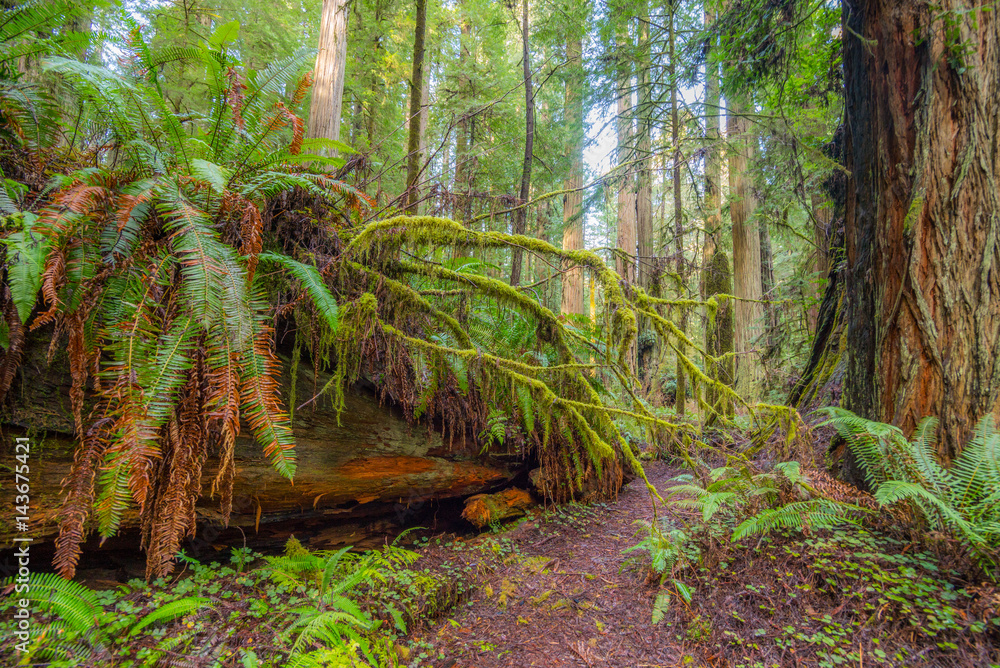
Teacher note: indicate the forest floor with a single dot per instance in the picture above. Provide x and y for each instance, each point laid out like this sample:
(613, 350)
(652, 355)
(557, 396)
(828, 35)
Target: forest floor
(562, 588)
(571, 597)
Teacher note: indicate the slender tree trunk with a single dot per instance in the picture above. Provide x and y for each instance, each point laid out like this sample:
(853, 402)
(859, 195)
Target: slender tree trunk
(328, 89)
(425, 114)
(521, 215)
(770, 339)
(923, 214)
(416, 102)
(465, 164)
(716, 277)
(626, 266)
(746, 254)
(644, 183)
(675, 134)
(572, 281)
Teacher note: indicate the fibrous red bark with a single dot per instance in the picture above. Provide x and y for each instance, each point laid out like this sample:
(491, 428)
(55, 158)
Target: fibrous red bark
(923, 213)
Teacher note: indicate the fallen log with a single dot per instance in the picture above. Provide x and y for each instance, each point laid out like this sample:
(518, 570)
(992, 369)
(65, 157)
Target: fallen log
(369, 463)
(484, 509)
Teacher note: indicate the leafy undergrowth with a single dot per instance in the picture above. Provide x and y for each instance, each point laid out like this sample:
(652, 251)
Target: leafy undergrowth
(840, 597)
(300, 609)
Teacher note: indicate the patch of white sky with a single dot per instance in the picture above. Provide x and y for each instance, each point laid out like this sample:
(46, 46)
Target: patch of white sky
(599, 154)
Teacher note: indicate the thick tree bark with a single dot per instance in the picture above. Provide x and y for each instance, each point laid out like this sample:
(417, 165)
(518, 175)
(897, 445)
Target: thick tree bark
(719, 337)
(416, 102)
(822, 219)
(572, 281)
(328, 89)
(746, 254)
(521, 215)
(923, 213)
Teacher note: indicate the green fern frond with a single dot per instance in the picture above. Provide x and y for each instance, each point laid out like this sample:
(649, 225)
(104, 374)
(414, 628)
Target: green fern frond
(26, 253)
(812, 514)
(74, 604)
(203, 258)
(170, 612)
(311, 280)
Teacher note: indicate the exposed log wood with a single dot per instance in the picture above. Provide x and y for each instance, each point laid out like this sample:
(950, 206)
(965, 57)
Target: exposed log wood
(484, 509)
(372, 463)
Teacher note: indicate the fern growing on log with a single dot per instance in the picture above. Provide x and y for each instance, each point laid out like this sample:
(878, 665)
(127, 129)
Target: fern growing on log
(175, 255)
(168, 310)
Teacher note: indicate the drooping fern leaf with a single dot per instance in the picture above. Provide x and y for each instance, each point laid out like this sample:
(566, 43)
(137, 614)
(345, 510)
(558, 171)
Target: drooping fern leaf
(311, 280)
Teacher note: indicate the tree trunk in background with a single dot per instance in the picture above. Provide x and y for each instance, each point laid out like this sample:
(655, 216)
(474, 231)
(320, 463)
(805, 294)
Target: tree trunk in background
(521, 215)
(719, 336)
(769, 341)
(425, 116)
(328, 89)
(572, 280)
(644, 182)
(416, 102)
(822, 218)
(649, 270)
(923, 215)
(716, 277)
(625, 266)
(625, 263)
(746, 255)
(680, 396)
(464, 163)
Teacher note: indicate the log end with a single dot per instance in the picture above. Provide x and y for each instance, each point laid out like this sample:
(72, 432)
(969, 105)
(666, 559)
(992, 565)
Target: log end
(484, 509)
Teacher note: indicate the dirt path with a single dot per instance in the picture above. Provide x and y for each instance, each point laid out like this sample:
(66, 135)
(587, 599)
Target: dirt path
(567, 596)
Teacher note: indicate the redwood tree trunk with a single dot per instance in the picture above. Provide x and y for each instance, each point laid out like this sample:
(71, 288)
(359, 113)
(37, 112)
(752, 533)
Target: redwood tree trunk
(572, 283)
(521, 215)
(716, 276)
(625, 261)
(923, 214)
(328, 89)
(746, 254)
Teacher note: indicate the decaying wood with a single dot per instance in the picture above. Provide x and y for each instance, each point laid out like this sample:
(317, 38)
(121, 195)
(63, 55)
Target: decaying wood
(484, 509)
(371, 462)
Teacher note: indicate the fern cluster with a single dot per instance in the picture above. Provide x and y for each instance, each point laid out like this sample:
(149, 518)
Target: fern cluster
(176, 244)
(762, 502)
(148, 264)
(335, 621)
(78, 623)
(962, 499)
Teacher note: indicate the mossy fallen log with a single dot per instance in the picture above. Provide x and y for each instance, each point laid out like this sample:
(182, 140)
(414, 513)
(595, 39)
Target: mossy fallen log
(365, 462)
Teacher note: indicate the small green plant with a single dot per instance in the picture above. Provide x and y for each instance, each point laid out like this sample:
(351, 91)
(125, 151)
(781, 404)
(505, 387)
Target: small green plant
(242, 556)
(667, 548)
